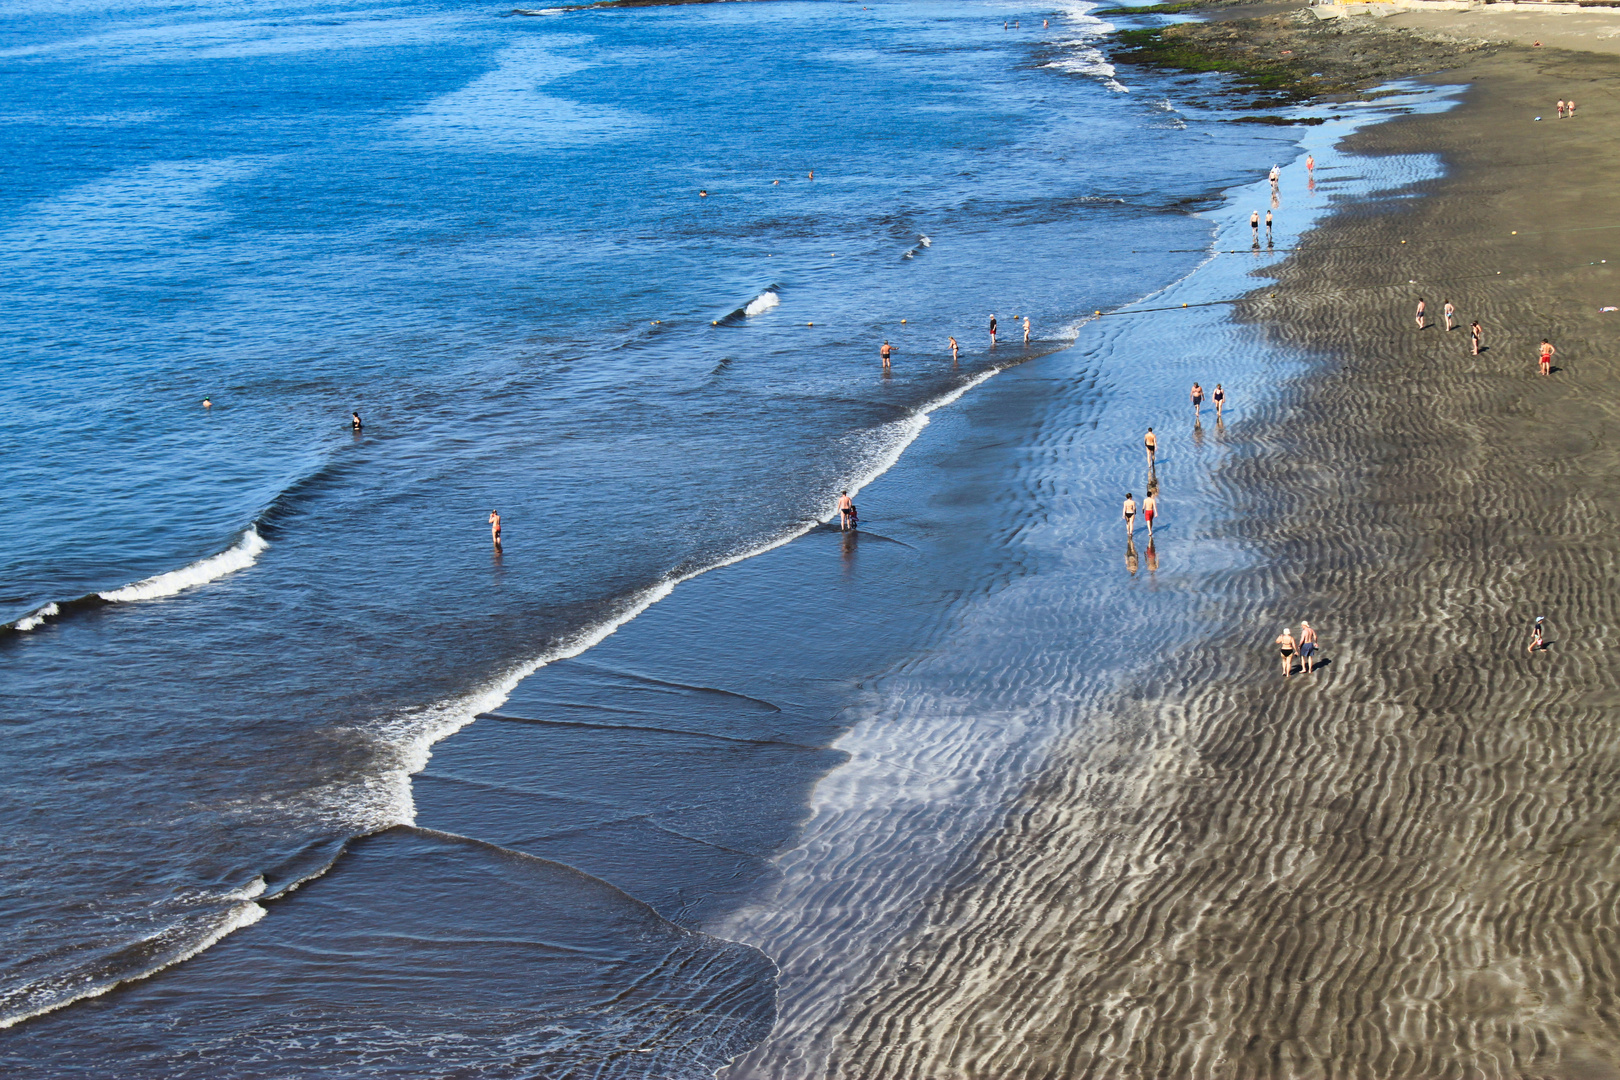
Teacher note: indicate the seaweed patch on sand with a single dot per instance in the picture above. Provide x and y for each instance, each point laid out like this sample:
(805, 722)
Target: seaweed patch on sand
(1293, 57)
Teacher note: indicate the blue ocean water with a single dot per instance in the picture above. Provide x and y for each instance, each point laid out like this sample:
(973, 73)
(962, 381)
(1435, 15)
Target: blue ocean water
(233, 633)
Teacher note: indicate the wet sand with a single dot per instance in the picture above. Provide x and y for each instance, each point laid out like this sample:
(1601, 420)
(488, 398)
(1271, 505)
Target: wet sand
(1404, 865)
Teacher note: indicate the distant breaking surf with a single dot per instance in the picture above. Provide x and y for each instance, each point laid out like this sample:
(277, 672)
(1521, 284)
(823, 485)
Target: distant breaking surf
(239, 556)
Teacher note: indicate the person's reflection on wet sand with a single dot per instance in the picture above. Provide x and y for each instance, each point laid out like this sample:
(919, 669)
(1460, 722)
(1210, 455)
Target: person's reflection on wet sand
(1198, 435)
(1130, 557)
(1152, 558)
(847, 550)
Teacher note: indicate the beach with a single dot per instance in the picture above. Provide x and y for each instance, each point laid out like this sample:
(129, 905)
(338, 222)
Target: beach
(1400, 866)
(688, 780)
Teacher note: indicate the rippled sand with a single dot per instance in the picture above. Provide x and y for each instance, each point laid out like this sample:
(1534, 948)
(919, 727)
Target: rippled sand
(1401, 866)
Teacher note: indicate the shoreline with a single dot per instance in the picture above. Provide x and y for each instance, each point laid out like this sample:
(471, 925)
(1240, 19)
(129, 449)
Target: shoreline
(902, 993)
(1403, 866)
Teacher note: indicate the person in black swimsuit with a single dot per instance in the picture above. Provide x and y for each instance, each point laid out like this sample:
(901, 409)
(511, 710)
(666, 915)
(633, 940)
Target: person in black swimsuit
(1285, 645)
(1219, 397)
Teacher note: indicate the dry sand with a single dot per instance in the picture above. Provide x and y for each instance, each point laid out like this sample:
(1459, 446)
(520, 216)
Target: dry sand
(1593, 30)
(1406, 865)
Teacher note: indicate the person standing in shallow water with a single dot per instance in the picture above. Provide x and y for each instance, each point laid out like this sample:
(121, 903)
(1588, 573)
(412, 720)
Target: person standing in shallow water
(1151, 443)
(354, 421)
(1220, 401)
(846, 511)
(495, 528)
(1198, 401)
(1285, 645)
(1129, 512)
(1254, 223)
(886, 352)
(953, 350)
(1307, 647)
(992, 330)
(1026, 329)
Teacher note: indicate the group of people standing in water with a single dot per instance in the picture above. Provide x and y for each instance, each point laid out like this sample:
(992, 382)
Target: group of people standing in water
(1150, 443)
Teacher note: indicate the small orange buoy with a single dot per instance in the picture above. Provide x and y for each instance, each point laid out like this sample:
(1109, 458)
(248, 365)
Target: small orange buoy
(902, 322)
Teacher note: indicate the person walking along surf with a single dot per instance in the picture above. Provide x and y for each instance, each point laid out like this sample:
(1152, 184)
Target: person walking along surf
(1422, 316)
(1476, 336)
(847, 516)
(1150, 510)
(954, 350)
(1546, 356)
(1307, 647)
(1198, 401)
(1538, 634)
(495, 528)
(992, 331)
(1151, 443)
(1285, 645)
(1450, 314)
(1129, 511)
(1219, 398)
(1254, 223)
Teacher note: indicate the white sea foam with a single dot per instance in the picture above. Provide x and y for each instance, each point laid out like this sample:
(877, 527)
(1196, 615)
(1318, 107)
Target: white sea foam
(1088, 60)
(762, 303)
(36, 618)
(1083, 57)
(243, 914)
(925, 241)
(243, 554)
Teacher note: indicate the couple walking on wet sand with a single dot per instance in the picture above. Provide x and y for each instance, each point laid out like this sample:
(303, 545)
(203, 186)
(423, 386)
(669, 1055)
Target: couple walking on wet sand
(1150, 510)
(1305, 646)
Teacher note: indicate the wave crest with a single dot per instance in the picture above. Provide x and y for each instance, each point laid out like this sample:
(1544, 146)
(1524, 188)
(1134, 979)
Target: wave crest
(243, 554)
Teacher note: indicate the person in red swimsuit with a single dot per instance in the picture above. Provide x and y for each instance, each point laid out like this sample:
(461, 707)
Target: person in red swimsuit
(1546, 356)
